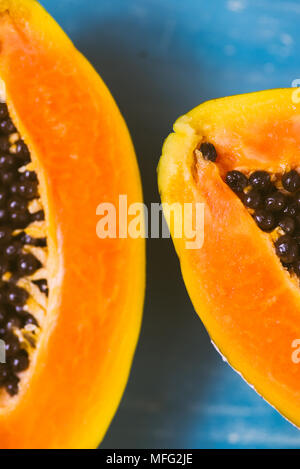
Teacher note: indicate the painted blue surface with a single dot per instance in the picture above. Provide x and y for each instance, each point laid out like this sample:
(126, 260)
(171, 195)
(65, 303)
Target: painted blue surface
(160, 58)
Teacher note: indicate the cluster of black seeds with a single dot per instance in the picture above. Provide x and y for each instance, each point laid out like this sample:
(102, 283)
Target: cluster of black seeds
(273, 207)
(274, 204)
(17, 189)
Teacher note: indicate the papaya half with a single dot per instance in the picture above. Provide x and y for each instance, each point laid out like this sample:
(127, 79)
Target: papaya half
(240, 158)
(70, 302)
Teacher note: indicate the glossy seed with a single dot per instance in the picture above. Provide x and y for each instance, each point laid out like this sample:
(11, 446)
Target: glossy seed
(287, 224)
(260, 180)
(12, 344)
(26, 239)
(253, 199)
(18, 309)
(3, 314)
(13, 322)
(29, 176)
(4, 144)
(2, 295)
(8, 161)
(208, 151)
(16, 203)
(7, 177)
(28, 319)
(236, 180)
(296, 237)
(19, 362)
(3, 111)
(265, 220)
(38, 216)
(291, 208)
(3, 215)
(4, 265)
(27, 189)
(275, 202)
(22, 152)
(12, 385)
(14, 188)
(7, 127)
(27, 264)
(17, 296)
(287, 249)
(12, 249)
(4, 373)
(43, 285)
(291, 181)
(19, 219)
(3, 196)
(5, 234)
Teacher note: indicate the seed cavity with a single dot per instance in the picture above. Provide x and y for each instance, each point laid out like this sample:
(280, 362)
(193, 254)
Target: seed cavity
(273, 200)
(23, 255)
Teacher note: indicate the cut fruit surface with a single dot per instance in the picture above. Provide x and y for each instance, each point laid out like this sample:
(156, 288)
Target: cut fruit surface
(240, 157)
(70, 303)
(23, 258)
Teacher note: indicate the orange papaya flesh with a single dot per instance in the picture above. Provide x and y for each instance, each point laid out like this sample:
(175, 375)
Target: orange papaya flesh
(81, 154)
(248, 301)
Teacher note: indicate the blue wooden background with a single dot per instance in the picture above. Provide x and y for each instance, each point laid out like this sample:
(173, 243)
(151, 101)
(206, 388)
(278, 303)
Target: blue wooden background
(160, 58)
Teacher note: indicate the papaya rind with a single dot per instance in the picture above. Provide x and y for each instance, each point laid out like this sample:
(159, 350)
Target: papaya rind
(177, 184)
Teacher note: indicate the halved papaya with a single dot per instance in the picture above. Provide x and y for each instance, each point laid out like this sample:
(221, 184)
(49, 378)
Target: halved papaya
(70, 302)
(240, 157)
